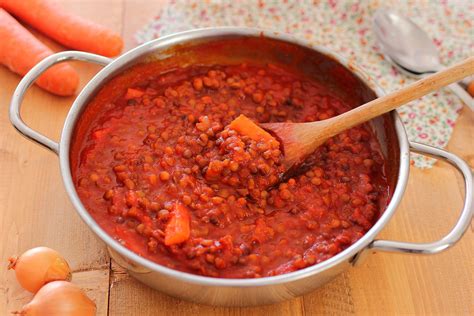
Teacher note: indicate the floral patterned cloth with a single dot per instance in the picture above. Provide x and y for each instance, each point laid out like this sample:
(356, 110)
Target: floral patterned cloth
(345, 26)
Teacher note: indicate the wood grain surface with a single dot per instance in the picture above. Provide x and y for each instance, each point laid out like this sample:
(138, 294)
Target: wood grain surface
(35, 210)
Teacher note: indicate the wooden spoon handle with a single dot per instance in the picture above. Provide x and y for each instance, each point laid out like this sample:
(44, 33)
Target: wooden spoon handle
(400, 97)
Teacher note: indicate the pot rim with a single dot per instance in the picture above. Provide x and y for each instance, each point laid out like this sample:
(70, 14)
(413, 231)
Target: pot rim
(207, 33)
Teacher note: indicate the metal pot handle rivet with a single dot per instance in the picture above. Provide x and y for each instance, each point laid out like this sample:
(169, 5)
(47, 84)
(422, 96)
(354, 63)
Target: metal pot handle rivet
(30, 78)
(462, 223)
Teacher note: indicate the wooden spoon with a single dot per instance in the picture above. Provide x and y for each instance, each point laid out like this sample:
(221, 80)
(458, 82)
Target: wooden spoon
(298, 140)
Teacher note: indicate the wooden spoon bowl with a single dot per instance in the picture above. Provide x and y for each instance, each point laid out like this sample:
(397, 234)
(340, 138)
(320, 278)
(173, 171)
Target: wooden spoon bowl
(298, 140)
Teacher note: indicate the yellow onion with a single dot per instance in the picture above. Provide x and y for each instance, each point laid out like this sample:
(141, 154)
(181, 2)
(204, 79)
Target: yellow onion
(59, 298)
(38, 266)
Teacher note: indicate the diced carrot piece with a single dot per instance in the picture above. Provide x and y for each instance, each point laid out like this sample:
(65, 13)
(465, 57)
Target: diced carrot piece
(133, 93)
(100, 133)
(247, 127)
(178, 228)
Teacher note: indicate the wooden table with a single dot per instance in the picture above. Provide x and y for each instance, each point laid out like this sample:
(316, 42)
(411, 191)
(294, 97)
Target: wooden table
(35, 210)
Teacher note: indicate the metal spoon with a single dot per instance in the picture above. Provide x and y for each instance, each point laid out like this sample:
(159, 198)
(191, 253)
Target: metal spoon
(410, 49)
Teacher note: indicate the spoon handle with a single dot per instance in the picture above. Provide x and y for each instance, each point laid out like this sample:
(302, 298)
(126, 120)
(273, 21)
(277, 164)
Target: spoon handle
(400, 97)
(462, 94)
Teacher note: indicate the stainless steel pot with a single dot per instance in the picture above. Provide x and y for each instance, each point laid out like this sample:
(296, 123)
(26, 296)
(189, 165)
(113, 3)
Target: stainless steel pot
(317, 61)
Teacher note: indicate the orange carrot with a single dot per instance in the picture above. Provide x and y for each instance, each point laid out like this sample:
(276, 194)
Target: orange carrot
(20, 51)
(470, 88)
(133, 93)
(178, 230)
(68, 29)
(246, 126)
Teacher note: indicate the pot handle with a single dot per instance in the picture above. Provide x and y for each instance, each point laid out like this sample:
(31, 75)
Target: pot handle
(29, 79)
(463, 221)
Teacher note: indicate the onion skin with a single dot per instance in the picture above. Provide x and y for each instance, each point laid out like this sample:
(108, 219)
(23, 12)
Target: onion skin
(59, 298)
(38, 266)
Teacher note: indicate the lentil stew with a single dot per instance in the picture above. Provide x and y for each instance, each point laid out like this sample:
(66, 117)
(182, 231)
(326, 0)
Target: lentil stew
(161, 171)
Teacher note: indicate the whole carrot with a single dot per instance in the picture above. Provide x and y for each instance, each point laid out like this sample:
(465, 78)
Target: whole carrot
(20, 51)
(68, 29)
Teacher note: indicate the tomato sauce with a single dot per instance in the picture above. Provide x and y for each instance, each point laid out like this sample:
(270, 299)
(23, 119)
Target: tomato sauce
(161, 171)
